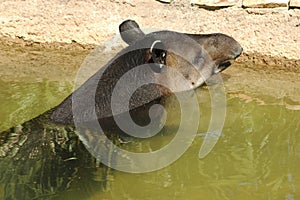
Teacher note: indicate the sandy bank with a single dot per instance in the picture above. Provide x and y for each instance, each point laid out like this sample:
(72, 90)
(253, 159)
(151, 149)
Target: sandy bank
(268, 36)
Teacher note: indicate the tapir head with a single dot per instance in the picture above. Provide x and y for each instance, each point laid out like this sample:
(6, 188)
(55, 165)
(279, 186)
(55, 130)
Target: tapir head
(197, 57)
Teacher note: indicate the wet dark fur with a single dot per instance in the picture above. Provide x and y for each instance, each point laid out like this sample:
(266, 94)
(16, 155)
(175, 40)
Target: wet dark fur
(118, 66)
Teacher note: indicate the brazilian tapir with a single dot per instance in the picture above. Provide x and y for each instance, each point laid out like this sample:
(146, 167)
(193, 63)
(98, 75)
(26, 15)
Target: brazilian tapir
(44, 149)
(194, 57)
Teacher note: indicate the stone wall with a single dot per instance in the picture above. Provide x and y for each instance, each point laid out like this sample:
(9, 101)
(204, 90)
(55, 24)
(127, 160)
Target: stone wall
(268, 32)
(248, 3)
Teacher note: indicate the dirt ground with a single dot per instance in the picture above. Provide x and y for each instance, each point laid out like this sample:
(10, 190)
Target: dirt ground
(268, 36)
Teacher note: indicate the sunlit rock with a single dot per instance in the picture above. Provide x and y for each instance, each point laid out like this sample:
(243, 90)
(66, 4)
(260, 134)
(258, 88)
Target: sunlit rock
(265, 3)
(294, 3)
(214, 3)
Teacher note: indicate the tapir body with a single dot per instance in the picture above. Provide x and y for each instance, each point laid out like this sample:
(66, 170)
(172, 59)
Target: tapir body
(157, 56)
(48, 143)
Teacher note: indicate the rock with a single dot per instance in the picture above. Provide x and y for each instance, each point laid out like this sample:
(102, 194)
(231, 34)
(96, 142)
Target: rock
(165, 1)
(294, 3)
(265, 3)
(99, 20)
(215, 3)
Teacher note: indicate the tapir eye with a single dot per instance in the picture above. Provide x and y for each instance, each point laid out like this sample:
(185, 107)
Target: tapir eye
(158, 59)
(163, 57)
(158, 56)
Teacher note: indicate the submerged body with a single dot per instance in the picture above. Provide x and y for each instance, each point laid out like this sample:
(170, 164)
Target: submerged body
(48, 143)
(157, 56)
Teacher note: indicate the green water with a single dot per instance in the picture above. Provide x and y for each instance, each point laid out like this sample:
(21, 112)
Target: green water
(21, 101)
(257, 156)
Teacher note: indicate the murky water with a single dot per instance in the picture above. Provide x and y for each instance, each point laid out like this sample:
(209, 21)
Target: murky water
(257, 156)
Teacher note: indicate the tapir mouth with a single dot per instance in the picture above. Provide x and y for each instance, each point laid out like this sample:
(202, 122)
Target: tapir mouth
(222, 66)
(218, 68)
(226, 63)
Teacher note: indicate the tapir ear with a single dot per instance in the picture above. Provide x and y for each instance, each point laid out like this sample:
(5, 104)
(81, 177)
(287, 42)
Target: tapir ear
(130, 31)
(156, 56)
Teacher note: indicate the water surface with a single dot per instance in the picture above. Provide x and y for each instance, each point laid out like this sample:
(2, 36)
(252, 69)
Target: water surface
(257, 156)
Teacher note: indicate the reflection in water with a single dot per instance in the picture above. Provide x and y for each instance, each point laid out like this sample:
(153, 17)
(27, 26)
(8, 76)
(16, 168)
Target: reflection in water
(39, 160)
(257, 156)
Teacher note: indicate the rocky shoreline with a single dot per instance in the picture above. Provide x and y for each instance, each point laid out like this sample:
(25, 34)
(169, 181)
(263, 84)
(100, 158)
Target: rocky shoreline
(268, 36)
